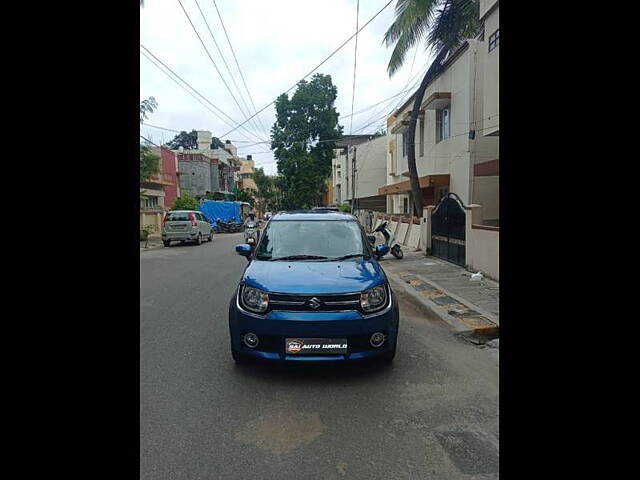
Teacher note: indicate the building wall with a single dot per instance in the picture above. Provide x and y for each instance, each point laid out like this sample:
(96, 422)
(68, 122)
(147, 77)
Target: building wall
(340, 175)
(371, 169)
(463, 77)
(195, 176)
(169, 167)
(491, 75)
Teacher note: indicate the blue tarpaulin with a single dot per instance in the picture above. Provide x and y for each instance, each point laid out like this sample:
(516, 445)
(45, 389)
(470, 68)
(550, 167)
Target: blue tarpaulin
(215, 210)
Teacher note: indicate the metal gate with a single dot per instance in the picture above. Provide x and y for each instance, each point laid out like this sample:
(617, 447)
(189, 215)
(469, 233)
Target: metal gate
(448, 230)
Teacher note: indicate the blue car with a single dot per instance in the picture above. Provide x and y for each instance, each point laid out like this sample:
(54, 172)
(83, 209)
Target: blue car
(313, 291)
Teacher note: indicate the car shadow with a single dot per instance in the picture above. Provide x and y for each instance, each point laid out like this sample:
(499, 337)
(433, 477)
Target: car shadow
(286, 374)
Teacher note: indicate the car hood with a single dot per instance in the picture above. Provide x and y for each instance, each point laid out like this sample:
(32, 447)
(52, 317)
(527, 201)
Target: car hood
(313, 277)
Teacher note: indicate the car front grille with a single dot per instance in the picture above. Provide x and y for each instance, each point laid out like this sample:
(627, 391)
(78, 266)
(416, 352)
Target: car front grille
(314, 303)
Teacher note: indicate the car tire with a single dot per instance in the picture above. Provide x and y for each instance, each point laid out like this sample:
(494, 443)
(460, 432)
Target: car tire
(396, 251)
(389, 356)
(199, 239)
(166, 243)
(211, 236)
(238, 357)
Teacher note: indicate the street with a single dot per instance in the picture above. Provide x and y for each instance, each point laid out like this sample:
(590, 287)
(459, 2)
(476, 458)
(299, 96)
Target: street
(432, 414)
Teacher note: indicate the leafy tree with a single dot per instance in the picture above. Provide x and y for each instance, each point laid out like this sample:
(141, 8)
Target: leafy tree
(267, 191)
(345, 207)
(149, 163)
(185, 202)
(189, 141)
(443, 25)
(298, 137)
(147, 107)
(243, 196)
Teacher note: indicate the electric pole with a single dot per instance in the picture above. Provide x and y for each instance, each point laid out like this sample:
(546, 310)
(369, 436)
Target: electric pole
(353, 181)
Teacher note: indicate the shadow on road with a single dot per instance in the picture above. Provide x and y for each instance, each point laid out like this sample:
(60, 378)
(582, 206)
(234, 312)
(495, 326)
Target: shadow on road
(314, 374)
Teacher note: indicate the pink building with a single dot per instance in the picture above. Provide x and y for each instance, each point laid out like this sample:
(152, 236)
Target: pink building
(162, 189)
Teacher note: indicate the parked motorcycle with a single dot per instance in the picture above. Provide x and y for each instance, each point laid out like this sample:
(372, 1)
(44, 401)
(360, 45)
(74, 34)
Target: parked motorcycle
(390, 240)
(251, 233)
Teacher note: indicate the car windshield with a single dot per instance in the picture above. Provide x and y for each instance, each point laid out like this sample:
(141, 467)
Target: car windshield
(312, 240)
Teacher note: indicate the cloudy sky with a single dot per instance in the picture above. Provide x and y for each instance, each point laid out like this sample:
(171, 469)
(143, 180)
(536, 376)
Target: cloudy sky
(276, 43)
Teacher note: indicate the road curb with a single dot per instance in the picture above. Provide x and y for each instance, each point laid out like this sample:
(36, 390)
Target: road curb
(465, 324)
(152, 247)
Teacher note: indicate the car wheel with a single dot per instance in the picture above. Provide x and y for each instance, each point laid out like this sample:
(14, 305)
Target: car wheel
(199, 239)
(238, 358)
(166, 243)
(211, 236)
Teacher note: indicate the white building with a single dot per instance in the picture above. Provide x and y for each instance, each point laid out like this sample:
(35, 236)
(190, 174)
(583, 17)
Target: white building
(456, 137)
(342, 167)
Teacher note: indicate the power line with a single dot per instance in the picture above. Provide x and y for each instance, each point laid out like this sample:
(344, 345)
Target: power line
(319, 65)
(214, 64)
(238, 65)
(233, 122)
(196, 98)
(355, 60)
(254, 125)
(145, 138)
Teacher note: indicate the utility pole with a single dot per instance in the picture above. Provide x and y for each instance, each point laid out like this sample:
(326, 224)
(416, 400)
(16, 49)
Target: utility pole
(353, 180)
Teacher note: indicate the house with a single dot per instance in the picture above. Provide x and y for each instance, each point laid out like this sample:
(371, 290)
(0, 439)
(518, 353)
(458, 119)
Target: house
(161, 189)
(369, 161)
(245, 174)
(456, 136)
(341, 166)
(205, 171)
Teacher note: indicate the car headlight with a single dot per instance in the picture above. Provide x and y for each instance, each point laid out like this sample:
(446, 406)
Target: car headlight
(254, 299)
(373, 299)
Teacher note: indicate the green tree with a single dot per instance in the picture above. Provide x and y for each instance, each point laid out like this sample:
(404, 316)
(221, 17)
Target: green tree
(189, 141)
(299, 137)
(149, 161)
(443, 25)
(267, 190)
(147, 107)
(185, 202)
(243, 196)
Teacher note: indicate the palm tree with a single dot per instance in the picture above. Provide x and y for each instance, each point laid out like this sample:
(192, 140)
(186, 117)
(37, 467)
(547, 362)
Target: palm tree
(443, 25)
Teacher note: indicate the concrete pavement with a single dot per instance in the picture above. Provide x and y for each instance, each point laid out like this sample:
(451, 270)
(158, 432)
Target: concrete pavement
(447, 290)
(432, 414)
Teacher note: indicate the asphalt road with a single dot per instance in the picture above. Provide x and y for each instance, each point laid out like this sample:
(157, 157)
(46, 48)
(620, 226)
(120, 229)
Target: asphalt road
(432, 414)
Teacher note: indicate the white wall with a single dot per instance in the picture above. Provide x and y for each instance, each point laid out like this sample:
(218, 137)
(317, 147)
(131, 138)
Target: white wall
(466, 78)
(371, 168)
(491, 75)
(483, 252)
(485, 193)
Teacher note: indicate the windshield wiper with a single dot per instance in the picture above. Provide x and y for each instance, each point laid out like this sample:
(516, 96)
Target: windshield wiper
(300, 257)
(353, 255)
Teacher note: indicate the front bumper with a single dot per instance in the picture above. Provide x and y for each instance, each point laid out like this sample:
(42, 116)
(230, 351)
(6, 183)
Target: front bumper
(273, 328)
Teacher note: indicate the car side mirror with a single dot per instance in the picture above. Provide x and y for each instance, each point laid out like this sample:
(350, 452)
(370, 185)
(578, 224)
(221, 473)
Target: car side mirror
(372, 239)
(381, 251)
(244, 249)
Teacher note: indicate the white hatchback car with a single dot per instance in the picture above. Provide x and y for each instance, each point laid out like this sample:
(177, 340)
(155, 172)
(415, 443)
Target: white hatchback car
(185, 226)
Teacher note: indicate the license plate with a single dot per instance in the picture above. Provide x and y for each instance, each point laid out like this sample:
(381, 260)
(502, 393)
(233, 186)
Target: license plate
(315, 346)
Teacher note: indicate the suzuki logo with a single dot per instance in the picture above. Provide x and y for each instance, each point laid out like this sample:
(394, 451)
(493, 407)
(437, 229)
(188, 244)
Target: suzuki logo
(314, 303)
